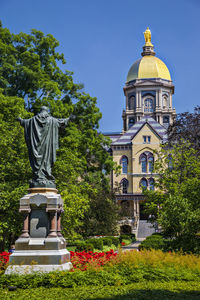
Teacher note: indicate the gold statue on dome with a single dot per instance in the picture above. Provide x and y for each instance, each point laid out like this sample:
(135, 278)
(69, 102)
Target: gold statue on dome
(147, 37)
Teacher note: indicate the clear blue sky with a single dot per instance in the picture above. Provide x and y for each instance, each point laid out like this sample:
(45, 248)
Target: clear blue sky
(102, 38)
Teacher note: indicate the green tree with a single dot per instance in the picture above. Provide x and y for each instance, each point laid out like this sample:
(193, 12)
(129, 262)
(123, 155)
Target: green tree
(30, 68)
(14, 167)
(186, 126)
(176, 203)
(103, 213)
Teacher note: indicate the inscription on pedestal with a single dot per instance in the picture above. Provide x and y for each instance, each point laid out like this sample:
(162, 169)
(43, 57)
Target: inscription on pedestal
(39, 226)
(38, 200)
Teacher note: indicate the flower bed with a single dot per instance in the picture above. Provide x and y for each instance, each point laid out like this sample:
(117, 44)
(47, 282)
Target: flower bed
(4, 258)
(83, 260)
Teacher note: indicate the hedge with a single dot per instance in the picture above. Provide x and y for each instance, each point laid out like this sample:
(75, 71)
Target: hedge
(142, 290)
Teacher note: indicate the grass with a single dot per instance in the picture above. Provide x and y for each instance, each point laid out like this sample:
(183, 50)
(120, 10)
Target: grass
(126, 242)
(142, 290)
(129, 275)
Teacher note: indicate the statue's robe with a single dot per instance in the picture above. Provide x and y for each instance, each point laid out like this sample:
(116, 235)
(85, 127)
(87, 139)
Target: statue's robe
(41, 135)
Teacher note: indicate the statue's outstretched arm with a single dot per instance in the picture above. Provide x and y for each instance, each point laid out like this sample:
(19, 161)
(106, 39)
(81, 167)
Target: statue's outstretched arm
(64, 122)
(21, 121)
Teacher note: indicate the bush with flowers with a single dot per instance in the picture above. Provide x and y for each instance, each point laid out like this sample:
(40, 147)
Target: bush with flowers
(111, 269)
(83, 260)
(4, 258)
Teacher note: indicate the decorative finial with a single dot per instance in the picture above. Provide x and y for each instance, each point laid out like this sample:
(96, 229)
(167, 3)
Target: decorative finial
(148, 47)
(147, 36)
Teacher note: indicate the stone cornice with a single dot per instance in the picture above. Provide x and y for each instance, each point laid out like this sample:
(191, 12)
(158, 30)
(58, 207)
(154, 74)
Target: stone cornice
(157, 82)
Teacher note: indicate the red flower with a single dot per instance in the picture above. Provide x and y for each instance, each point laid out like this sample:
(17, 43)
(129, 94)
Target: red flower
(81, 260)
(4, 258)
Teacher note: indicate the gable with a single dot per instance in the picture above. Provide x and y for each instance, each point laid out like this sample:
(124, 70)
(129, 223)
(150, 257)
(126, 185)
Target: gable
(127, 137)
(146, 130)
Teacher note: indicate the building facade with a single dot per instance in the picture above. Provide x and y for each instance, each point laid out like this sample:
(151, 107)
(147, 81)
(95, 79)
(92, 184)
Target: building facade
(148, 112)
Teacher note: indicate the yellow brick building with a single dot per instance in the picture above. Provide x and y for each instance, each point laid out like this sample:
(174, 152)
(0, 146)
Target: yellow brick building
(148, 112)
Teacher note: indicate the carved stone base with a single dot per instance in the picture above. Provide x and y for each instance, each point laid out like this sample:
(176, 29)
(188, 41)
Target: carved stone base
(40, 247)
(27, 269)
(39, 254)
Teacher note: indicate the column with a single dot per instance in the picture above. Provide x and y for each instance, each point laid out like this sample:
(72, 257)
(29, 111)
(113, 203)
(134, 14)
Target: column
(170, 100)
(139, 102)
(53, 223)
(59, 223)
(25, 230)
(160, 99)
(137, 99)
(124, 121)
(134, 205)
(157, 100)
(138, 208)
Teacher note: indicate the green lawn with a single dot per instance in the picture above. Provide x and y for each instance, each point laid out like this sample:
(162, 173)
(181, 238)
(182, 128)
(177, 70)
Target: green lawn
(141, 290)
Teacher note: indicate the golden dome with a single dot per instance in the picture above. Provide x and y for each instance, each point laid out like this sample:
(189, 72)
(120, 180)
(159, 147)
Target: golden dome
(148, 67)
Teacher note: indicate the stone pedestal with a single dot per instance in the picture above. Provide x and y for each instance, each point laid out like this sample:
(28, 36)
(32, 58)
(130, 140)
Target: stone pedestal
(41, 246)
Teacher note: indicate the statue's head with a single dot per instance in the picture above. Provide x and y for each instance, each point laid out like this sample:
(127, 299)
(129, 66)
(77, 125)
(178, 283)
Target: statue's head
(44, 108)
(44, 111)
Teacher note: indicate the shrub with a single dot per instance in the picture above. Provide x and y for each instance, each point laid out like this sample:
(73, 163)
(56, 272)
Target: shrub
(107, 241)
(155, 241)
(148, 291)
(125, 238)
(82, 246)
(130, 237)
(97, 243)
(115, 240)
(114, 270)
(73, 242)
(133, 237)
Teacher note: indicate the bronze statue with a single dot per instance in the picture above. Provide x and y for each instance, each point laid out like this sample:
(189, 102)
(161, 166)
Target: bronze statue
(41, 136)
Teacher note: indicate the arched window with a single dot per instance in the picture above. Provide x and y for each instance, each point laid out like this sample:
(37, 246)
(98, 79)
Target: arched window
(143, 183)
(124, 184)
(148, 105)
(150, 161)
(147, 160)
(151, 184)
(131, 102)
(165, 101)
(124, 163)
(131, 122)
(143, 160)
